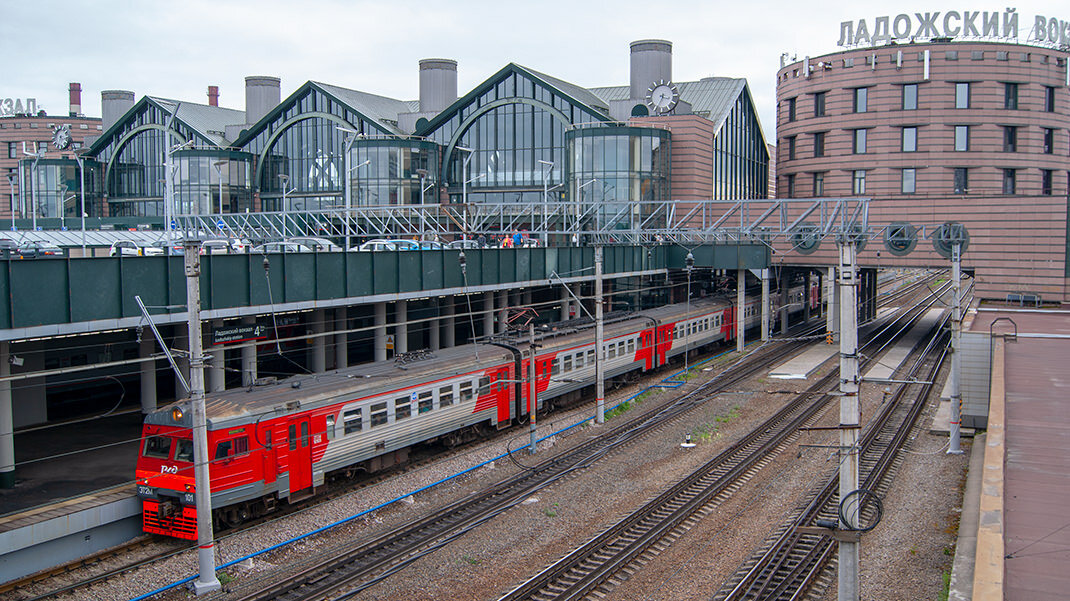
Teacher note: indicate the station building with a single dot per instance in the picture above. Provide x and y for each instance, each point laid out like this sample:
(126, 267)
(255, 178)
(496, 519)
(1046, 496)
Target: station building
(965, 130)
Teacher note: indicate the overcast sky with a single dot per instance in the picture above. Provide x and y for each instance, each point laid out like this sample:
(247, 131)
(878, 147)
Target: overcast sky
(177, 49)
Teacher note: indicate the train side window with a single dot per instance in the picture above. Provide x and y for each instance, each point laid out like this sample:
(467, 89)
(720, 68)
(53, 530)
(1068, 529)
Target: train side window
(590, 357)
(379, 416)
(304, 434)
(621, 348)
(484, 385)
(330, 427)
(445, 396)
(352, 421)
(426, 401)
(293, 437)
(184, 452)
(612, 352)
(579, 360)
(267, 439)
(157, 447)
(566, 365)
(231, 448)
(466, 391)
(631, 345)
(556, 369)
(402, 408)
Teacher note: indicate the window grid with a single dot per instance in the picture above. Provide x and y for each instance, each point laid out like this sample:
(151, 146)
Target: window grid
(910, 97)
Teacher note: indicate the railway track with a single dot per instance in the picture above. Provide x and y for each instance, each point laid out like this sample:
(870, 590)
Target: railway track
(592, 568)
(796, 560)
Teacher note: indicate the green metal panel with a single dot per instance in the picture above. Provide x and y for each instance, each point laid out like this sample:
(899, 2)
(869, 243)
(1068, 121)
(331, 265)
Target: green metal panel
(359, 277)
(5, 295)
(176, 284)
(451, 266)
(728, 256)
(299, 277)
(95, 289)
(141, 276)
(410, 271)
(434, 266)
(43, 298)
(506, 266)
(488, 275)
(330, 273)
(227, 279)
(259, 293)
(385, 272)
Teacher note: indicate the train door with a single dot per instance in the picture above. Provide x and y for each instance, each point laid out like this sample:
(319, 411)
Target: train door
(728, 324)
(646, 344)
(300, 454)
(503, 393)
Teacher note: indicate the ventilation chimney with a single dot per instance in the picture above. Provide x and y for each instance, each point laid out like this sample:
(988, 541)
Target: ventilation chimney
(651, 62)
(113, 105)
(438, 84)
(213, 95)
(262, 93)
(76, 99)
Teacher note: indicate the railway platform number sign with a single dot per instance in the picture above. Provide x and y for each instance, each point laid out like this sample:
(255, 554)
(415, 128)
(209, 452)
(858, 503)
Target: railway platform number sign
(239, 334)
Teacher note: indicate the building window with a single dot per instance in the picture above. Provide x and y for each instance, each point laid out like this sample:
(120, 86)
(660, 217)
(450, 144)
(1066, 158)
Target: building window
(962, 180)
(909, 181)
(859, 143)
(1049, 99)
(791, 109)
(910, 139)
(791, 147)
(789, 185)
(1045, 181)
(1010, 96)
(12, 150)
(858, 182)
(962, 138)
(910, 97)
(819, 104)
(1049, 141)
(42, 147)
(1010, 138)
(819, 183)
(962, 95)
(819, 144)
(1009, 177)
(861, 99)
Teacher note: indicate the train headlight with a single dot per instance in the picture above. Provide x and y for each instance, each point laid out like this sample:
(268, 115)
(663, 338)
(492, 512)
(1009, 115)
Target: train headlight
(176, 414)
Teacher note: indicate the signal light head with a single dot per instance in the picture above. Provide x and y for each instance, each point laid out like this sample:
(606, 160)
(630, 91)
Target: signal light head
(176, 414)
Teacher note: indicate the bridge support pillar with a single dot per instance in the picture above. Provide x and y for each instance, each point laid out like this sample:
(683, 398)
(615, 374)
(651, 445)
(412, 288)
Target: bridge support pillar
(526, 298)
(248, 357)
(148, 371)
(833, 313)
(503, 311)
(7, 422)
(449, 323)
(217, 375)
(401, 330)
(319, 343)
(741, 287)
(341, 339)
(783, 284)
(488, 314)
(806, 295)
(380, 331)
(566, 303)
(766, 309)
(434, 328)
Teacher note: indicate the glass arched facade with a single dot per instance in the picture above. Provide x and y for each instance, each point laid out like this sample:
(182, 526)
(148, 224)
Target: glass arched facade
(197, 182)
(613, 168)
(740, 158)
(52, 189)
(394, 171)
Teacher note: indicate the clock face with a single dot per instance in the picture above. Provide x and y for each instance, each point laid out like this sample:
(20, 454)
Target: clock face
(662, 96)
(61, 137)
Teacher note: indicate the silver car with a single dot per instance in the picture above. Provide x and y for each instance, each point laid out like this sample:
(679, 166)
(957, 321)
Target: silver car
(316, 244)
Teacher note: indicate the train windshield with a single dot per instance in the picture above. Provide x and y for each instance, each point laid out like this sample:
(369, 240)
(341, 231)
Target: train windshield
(157, 447)
(184, 452)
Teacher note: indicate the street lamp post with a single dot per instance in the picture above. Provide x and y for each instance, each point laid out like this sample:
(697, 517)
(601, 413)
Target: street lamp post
(351, 138)
(545, 198)
(689, 265)
(464, 189)
(81, 190)
(579, 190)
(34, 187)
(285, 179)
(219, 173)
(11, 177)
(61, 209)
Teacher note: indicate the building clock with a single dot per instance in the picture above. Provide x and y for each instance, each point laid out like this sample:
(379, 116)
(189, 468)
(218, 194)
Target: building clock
(662, 97)
(61, 137)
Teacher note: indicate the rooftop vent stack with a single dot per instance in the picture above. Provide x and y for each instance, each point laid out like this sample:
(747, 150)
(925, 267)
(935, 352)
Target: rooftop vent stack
(651, 62)
(76, 99)
(113, 105)
(438, 84)
(213, 95)
(262, 93)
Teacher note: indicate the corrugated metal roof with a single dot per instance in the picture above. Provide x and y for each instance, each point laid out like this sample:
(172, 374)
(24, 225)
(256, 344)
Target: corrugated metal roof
(711, 97)
(380, 109)
(576, 92)
(210, 121)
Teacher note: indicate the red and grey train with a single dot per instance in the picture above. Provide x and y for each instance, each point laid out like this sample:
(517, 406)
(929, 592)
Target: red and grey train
(279, 443)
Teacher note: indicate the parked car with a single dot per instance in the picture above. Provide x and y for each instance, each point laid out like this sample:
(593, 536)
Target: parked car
(283, 246)
(463, 244)
(223, 246)
(431, 245)
(34, 249)
(380, 245)
(134, 248)
(8, 247)
(316, 244)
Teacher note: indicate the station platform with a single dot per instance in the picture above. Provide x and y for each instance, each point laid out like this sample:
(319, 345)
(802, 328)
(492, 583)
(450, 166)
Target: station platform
(1014, 539)
(801, 366)
(73, 494)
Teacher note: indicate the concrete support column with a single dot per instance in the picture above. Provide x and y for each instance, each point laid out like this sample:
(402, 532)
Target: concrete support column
(7, 422)
(766, 305)
(341, 339)
(380, 331)
(434, 331)
(488, 313)
(806, 295)
(526, 298)
(503, 311)
(217, 375)
(182, 360)
(741, 286)
(833, 313)
(566, 303)
(248, 358)
(148, 371)
(449, 322)
(401, 329)
(784, 283)
(319, 343)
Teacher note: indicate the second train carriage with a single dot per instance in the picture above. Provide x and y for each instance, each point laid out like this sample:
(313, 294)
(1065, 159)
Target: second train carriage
(279, 442)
